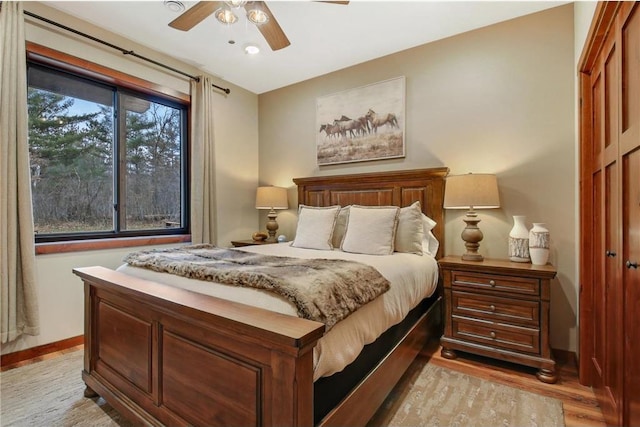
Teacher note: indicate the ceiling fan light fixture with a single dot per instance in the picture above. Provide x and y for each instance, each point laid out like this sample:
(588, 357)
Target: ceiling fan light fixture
(225, 16)
(257, 16)
(236, 4)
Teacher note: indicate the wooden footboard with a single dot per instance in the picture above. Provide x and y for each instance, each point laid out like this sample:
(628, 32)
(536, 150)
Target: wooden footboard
(166, 356)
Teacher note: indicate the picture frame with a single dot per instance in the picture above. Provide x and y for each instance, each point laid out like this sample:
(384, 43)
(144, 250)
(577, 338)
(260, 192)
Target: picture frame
(361, 124)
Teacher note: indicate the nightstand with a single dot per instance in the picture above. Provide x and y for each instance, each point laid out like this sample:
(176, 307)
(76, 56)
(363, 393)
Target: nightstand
(499, 309)
(250, 242)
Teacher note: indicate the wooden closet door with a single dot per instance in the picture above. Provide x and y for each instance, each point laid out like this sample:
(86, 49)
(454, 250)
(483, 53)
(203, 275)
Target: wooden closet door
(631, 279)
(610, 202)
(629, 21)
(608, 343)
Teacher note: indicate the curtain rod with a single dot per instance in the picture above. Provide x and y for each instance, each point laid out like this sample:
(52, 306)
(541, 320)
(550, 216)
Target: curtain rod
(123, 51)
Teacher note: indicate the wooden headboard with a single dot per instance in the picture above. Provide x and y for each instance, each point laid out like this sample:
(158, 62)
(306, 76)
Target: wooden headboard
(395, 188)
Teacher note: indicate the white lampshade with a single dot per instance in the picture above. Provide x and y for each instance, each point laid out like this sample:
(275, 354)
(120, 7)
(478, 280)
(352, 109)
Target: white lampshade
(271, 198)
(473, 190)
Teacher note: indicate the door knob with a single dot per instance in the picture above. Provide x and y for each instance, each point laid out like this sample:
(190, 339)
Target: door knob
(610, 254)
(630, 264)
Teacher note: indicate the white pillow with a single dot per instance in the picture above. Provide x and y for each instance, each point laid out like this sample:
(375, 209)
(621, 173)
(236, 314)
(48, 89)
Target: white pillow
(428, 223)
(410, 230)
(371, 230)
(315, 227)
(340, 227)
(430, 244)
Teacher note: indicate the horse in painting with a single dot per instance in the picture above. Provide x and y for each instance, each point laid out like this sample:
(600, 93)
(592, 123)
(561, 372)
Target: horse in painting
(353, 127)
(330, 129)
(377, 120)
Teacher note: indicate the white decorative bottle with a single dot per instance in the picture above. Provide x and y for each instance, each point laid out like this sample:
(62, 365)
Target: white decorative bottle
(539, 244)
(519, 240)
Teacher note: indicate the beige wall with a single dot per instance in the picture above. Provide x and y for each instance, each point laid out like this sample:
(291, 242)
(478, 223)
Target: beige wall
(496, 100)
(236, 153)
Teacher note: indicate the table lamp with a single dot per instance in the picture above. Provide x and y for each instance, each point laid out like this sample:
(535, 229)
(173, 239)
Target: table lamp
(271, 198)
(471, 191)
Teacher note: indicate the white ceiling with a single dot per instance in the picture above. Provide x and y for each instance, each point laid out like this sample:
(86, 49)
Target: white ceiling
(324, 37)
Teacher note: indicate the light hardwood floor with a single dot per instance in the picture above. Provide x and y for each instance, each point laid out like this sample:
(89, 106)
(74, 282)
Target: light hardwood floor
(579, 402)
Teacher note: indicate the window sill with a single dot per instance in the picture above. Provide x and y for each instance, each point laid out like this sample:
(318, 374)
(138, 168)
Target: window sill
(98, 244)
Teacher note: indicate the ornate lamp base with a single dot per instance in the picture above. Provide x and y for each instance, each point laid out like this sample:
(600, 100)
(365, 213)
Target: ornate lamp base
(472, 237)
(272, 226)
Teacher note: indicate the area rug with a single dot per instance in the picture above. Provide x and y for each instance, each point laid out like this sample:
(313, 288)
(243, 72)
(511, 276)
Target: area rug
(430, 395)
(50, 393)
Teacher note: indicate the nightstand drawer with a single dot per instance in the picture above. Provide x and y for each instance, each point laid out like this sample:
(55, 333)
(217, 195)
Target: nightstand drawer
(525, 340)
(461, 280)
(489, 307)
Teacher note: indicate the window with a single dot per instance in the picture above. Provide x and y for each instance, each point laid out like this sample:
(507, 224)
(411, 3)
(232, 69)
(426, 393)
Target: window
(105, 161)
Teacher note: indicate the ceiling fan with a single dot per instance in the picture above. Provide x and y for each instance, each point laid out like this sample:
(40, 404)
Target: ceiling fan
(257, 12)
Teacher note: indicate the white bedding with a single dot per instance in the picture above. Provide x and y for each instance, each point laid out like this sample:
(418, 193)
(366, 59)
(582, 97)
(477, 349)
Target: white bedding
(412, 278)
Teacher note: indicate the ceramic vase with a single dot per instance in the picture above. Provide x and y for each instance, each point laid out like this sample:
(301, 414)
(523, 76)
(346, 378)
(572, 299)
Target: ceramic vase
(539, 244)
(519, 240)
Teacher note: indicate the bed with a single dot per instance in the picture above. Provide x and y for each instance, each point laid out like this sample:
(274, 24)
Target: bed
(149, 345)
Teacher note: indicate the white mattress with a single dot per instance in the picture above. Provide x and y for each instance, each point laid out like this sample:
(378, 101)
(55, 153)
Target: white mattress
(413, 277)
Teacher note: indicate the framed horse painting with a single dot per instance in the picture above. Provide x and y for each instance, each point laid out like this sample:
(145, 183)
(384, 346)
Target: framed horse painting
(361, 124)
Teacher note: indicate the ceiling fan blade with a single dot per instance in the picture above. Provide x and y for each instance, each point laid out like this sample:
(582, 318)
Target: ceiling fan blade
(194, 15)
(271, 30)
(334, 2)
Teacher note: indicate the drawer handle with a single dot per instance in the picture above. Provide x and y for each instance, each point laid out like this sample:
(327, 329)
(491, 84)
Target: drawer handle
(492, 282)
(492, 307)
(493, 334)
(630, 264)
(610, 254)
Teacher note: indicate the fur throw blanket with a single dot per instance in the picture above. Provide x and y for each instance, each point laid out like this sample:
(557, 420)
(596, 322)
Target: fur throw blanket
(323, 290)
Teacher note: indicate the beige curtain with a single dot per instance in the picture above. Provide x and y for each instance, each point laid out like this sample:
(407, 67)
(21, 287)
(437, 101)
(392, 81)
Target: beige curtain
(203, 221)
(17, 253)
